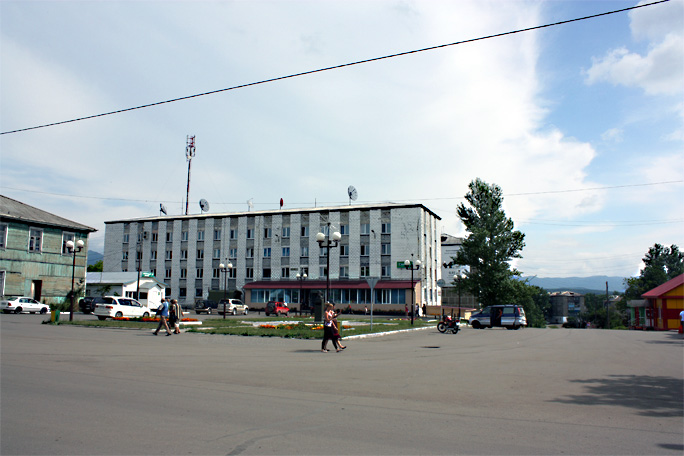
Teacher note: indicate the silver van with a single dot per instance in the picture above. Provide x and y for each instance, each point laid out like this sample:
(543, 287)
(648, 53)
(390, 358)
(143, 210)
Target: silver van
(509, 316)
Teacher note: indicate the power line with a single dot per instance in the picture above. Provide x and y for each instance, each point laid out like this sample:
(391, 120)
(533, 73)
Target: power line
(336, 67)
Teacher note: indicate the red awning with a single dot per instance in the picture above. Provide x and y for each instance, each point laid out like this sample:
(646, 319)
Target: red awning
(334, 284)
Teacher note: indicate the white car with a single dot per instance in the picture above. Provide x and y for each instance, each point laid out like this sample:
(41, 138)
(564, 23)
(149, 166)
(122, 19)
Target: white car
(23, 304)
(116, 306)
(233, 306)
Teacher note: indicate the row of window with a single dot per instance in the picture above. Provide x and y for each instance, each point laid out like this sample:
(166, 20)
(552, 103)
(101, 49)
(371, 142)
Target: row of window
(35, 240)
(339, 296)
(385, 249)
(344, 229)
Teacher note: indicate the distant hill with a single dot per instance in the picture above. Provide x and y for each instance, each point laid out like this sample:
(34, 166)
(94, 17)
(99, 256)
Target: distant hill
(593, 284)
(94, 257)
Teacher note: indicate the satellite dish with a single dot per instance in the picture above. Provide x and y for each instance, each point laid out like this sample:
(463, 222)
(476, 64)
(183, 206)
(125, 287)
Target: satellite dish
(353, 194)
(162, 209)
(204, 205)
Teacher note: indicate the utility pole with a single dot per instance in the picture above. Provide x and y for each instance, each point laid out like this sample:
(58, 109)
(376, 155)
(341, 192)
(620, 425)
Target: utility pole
(189, 153)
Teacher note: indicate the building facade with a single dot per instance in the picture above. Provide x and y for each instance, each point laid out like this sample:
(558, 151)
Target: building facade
(127, 284)
(663, 305)
(267, 249)
(564, 305)
(34, 258)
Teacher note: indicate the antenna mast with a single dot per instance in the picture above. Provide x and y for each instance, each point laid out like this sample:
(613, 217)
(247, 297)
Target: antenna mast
(189, 153)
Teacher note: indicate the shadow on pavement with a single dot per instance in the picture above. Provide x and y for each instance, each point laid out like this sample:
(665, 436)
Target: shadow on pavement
(650, 396)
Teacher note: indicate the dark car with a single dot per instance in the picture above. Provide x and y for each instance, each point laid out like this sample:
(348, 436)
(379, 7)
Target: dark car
(278, 308)
(87, 304)
(205, 306)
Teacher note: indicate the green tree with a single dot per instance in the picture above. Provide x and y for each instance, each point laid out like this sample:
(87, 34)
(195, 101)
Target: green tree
(97, 267)
(660, 265)
(534, 299)
(490, 245)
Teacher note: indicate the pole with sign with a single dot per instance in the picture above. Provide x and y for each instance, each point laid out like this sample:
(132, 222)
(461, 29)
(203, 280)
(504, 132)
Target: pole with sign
(372, 282)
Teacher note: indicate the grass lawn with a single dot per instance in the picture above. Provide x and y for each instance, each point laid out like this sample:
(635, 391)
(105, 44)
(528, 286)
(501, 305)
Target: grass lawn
(292, 327)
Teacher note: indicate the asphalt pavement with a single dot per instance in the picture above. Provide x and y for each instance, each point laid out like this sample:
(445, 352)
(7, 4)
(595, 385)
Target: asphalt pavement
(76, 390)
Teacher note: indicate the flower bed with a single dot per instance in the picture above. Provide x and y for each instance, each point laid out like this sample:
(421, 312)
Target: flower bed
(148, 319)
(298, 326)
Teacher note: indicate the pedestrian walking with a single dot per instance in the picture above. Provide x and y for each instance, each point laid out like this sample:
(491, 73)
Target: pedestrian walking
(336, 337)
(175, 315)
(681, 321)
(163, 314)
(328, 330)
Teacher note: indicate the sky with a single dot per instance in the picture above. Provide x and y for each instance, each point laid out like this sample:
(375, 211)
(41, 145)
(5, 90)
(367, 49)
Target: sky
(580, 124)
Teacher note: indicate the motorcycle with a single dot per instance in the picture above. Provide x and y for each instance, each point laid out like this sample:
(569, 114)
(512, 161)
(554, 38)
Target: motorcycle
(448, 324)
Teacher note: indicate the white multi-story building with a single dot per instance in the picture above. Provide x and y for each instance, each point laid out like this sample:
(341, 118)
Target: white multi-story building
(267, 249)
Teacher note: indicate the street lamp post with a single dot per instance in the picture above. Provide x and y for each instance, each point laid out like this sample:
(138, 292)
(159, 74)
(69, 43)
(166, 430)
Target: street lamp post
(408, 264)
(74, 248)
(332, 241)
(301, 278)
(225, 268)
(459, 279)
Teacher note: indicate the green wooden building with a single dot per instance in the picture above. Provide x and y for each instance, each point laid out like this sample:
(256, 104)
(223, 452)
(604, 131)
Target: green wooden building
(34, 258)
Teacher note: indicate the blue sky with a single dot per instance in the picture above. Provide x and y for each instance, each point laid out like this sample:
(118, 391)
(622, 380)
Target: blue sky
(580, 124)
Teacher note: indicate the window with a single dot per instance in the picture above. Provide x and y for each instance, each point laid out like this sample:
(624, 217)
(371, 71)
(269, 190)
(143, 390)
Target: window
(233, 234)
(35, 240)
(217, 234)
(233, 253)
(365, 250)
(184, 255)
(184, 236)
(169, 254)
(249, 273)
(155, 236)
(266, 273)
(323, 251)
(286, 231)
(305, 270)
(169, 236)
(285, 273)
(167, 273)
(322, 271)
(386, 228)
(286, 251)
(365, 271)
(386, 249)
(200, 254)
(125, 238)
(344, 229)
(386, 271)
(217, 254)
(344, 272)
(3, 238)
(216, 273)
(183, 273)
(325, 229)
(153, 255)
(66, 237)
(344, 250)
(267, 233)
(249, 253)
(182, 293)
(305, 251)
(250, 233)
(267, 252)
(232, 273)
(198, 292)
(200, 273)
(200, 235)
(154, 271)
(305, 231)
(365, 228)
(124, 256)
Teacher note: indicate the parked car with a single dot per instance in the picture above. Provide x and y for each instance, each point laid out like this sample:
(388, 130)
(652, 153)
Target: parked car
(278, 308)
(509, 316)
(233, 306)
(205, 306)
(87, 304)
(116, 306)
(21, 304)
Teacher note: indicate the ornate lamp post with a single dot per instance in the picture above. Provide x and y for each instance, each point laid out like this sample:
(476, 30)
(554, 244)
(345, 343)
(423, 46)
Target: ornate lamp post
(328, 242)
(73, 248)
(225, 268)
(408, 264)
(301, 278)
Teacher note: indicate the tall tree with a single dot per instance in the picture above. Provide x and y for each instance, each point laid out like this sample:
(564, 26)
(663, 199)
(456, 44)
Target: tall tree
(660, 265)
(490, 245)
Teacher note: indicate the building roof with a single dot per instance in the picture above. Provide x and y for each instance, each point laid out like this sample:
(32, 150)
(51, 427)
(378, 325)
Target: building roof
(447, 239)
(117, 278)
(16, 210)
(347, 208)
(665, 288)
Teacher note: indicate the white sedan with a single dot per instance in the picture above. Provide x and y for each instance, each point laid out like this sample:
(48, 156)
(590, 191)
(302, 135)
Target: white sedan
(23, 304)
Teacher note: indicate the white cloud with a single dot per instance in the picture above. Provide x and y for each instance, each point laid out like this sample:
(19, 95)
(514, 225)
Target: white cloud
(658, 71)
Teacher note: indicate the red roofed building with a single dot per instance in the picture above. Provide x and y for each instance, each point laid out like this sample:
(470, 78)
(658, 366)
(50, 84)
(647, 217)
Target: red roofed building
(664, 303)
